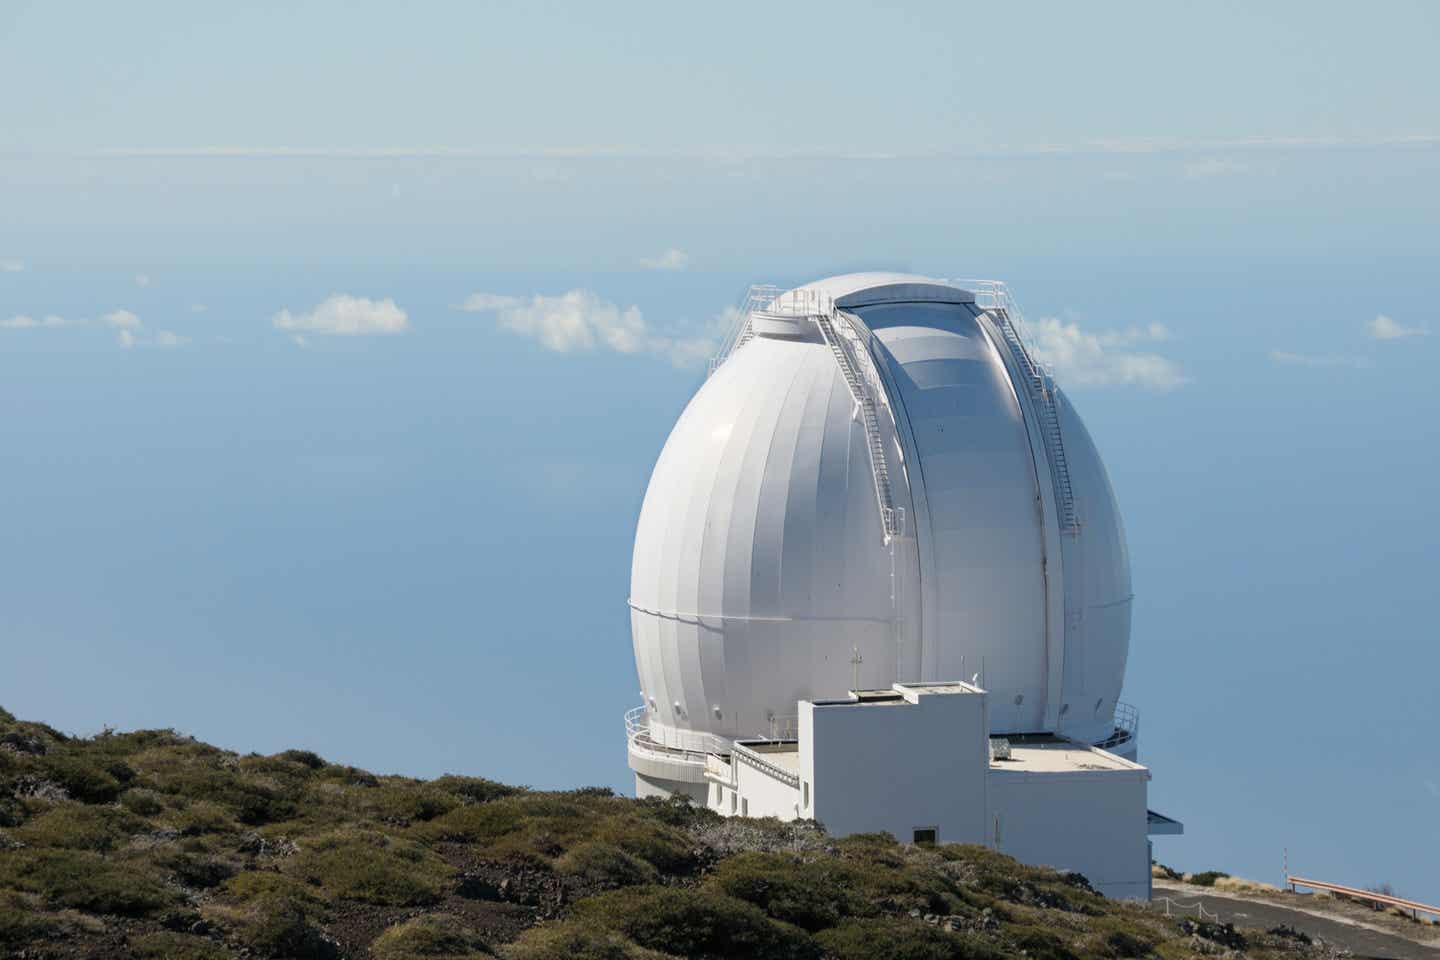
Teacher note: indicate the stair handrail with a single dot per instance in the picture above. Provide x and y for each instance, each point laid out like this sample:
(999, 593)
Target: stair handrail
(995, 298)
(849, 339)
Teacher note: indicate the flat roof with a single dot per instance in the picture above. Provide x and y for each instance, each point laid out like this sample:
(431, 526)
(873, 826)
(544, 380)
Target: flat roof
(1059, 756)
(898, 693)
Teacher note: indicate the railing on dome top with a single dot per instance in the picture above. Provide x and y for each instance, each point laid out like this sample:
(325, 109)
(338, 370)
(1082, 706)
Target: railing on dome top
(693, 745)
(1126, 727)
(849, 340)
(758, 297)
(995, 298)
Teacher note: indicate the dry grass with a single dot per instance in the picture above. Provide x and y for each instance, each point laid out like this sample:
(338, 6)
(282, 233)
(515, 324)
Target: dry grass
(1241, 885)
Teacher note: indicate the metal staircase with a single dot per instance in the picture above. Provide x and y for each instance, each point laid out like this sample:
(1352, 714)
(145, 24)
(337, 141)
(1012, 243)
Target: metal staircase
(849, 341)
(852, 356)
(994, 297)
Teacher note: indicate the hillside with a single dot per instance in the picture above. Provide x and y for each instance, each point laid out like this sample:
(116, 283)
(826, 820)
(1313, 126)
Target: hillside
(151, 844)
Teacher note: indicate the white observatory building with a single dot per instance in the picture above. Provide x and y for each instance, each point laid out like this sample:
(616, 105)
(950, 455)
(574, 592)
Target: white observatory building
(880, 580)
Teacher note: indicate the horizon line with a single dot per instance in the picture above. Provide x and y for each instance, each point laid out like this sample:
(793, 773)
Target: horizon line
(1119, 145)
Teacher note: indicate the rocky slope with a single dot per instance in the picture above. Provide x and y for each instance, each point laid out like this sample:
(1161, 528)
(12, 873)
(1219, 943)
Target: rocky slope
(151, 844)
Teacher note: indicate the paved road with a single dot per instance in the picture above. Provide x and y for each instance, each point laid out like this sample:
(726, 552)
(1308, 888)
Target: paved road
(1251, 913)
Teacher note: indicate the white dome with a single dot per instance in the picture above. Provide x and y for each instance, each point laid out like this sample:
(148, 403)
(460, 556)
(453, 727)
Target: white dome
(761, 563)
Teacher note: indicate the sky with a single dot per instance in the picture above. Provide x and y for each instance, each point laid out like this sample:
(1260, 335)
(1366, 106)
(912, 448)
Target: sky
(337, 342)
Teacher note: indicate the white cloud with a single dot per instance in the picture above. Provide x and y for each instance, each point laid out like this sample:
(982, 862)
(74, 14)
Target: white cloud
(1213, 167)
(1292, 359)
(481, 302)
(581, 320)
(121, 318)
(129, 338)
(344, 315)
(25, 322)
(1150, 333)
(198, 308)
(1384, 328)
(671, 259)
(12, 266)
(142, 280)
(1086, 359)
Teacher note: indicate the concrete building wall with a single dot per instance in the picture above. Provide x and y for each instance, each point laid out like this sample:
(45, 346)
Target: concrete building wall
(897, 767)
(764, 795)
(1092, 823)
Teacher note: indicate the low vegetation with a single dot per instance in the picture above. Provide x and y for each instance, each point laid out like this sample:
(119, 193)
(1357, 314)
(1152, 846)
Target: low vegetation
(152, 845)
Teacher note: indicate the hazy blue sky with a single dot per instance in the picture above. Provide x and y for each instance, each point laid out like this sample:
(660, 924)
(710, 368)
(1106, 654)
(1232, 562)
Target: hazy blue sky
(337, 342)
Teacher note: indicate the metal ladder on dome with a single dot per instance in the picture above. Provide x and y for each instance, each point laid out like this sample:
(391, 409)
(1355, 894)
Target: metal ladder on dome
(851, 350)
(1042, 394)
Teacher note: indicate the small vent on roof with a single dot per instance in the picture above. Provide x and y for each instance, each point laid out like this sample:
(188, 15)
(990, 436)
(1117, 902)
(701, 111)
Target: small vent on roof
(999, 748)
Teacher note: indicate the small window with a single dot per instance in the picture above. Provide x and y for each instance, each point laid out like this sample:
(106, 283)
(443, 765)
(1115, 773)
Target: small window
(805, 793)
(732, 802)
(745, 807)
(926, 835)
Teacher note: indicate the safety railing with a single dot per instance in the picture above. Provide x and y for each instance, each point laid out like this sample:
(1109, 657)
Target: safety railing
(754, 758)
(694, 745)
(1126, 727)
(849, 341)
(1172, 907)
(1358, 894)
(690, 746)
(995, 298)
(762, 297)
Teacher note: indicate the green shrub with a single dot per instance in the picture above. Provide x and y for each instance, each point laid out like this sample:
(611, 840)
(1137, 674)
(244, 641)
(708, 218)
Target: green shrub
(606, 864)
(666, 848)
(348, 776)
(900, 939)
(873, 847)
(1206, 878)
(78, 827)
(21, 922)
(164, 945)
(1126, 944)
(695, 923)
(409, 802)
(1039, 943)
(141, 802)
(474, 789)
(525, 824)
(373, 868)
(305, 758)
(575, 941)
(896, 889)
(253, 884)
(201, 817)
(196, 870)
(434, 936)
(280, 927)
(530, 825)
(806, 894)
(85, 881)
(197, 772)
(82, 779)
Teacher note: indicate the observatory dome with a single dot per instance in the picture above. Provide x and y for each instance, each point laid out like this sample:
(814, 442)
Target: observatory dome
(876, 484)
